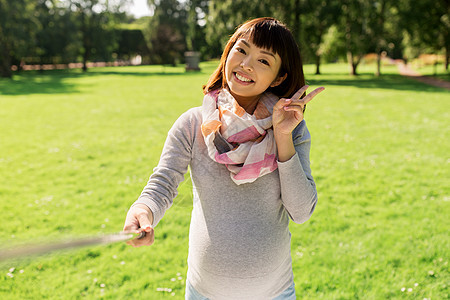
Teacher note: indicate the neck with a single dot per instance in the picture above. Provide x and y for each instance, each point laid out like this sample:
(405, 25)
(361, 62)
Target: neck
(247, 103)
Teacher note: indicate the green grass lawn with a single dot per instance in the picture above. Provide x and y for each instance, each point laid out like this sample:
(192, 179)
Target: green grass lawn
(76, 150)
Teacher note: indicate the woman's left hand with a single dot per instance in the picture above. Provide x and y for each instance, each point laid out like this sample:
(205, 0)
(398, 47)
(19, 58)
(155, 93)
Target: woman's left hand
(288, 113)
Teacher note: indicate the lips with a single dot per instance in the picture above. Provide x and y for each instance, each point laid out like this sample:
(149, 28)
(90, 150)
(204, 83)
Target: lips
(242, 78)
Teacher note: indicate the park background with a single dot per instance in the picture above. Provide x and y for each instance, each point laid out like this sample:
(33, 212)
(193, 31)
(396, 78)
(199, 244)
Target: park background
(78, 142)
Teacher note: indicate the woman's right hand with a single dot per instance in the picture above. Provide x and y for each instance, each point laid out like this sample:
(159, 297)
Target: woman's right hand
(139, 218)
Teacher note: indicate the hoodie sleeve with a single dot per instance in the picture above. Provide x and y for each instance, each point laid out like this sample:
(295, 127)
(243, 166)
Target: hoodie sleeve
(298, 189)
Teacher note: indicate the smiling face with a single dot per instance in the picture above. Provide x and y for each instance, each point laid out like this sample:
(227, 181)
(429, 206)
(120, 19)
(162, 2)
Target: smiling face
(250, 70)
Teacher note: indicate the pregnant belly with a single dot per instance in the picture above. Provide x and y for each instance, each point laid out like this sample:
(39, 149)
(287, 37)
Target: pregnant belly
(245, 248)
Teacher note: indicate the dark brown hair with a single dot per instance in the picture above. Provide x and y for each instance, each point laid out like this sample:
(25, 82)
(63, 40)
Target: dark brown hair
(270, 34)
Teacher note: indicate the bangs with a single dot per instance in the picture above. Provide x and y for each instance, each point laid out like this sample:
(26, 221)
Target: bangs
(268, 35)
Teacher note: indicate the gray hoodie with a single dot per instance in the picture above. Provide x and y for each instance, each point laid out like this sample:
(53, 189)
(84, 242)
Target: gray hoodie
(239, 240)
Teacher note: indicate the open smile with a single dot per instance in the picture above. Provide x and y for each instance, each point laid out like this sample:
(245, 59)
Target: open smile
(242, 78)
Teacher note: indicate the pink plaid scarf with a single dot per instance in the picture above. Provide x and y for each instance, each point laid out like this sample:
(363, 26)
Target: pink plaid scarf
(244, 143)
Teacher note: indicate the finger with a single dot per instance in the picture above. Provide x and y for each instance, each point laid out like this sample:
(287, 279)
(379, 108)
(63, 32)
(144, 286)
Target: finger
(144, 222)
(295, 108)
(146, 240)
(311, 95)
(131, 224)
(293, 105)
(300, 92)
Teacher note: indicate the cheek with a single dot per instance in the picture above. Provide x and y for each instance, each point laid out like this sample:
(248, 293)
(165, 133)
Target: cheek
(227, 71)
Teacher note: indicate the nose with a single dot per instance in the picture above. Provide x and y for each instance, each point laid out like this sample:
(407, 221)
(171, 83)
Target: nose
(246, 64)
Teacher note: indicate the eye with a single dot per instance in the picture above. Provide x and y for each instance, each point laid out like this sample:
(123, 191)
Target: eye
(264, 62)
(241, 50)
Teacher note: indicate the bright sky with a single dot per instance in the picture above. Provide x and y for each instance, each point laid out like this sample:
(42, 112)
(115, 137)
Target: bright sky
(139, 8)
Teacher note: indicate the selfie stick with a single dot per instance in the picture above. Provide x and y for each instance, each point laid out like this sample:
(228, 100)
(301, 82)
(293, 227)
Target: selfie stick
(38, 249)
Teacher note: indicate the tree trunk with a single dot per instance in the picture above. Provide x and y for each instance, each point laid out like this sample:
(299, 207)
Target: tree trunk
(297, 25)
(378, 72)
(380, 36)
(317, 64)
(86, 41)
(351, 63)
(5, 72)
(5, 63)
(447, 54)
(85, 59)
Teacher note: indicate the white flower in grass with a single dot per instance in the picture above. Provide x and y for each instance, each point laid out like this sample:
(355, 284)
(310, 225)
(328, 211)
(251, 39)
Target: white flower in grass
(172, 279)
(21, 271)
(416, 284)
(89, 271)
(409, 290)
(10, 275)
(173, 294)
(403, 289)
(11, 270)
(122, 262)
(178, 274)
(102, 285)
(159, 289)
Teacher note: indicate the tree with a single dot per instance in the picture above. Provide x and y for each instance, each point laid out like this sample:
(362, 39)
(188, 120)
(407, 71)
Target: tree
(380, 9)
(318, 17)
(131, 43)
(96, 22)
(196, 20)
(18, 28)
(56, 41)
(226, 15)
(167, 30)
(430, 28)
(356, 22)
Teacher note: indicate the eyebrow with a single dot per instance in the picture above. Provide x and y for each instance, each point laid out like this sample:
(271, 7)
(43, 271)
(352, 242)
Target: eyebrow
(262, 51)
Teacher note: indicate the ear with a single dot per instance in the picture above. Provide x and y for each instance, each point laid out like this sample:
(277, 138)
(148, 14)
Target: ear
(278, 80)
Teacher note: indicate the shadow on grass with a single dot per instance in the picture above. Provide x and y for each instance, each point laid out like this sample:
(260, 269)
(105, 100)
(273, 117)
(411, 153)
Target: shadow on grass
(56, 81)
(388, 81)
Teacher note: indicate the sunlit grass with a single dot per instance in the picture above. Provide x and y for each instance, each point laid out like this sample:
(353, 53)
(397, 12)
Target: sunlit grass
(436, 71)
(76, 150)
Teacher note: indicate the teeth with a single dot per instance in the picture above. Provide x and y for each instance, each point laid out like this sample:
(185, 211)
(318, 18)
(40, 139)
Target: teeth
(241, 78)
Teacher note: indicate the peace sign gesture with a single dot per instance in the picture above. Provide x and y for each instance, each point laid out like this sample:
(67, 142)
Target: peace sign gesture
(288, 113)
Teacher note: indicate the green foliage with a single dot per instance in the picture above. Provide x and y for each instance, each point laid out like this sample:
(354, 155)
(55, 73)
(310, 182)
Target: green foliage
(57, 40)
(317, 20)
(333, 44)
(77, 149)
(167, 31)
(59, 31)
(18, 29)
(431, 26)
(96, 26)
(131, 42)
(225, 16)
